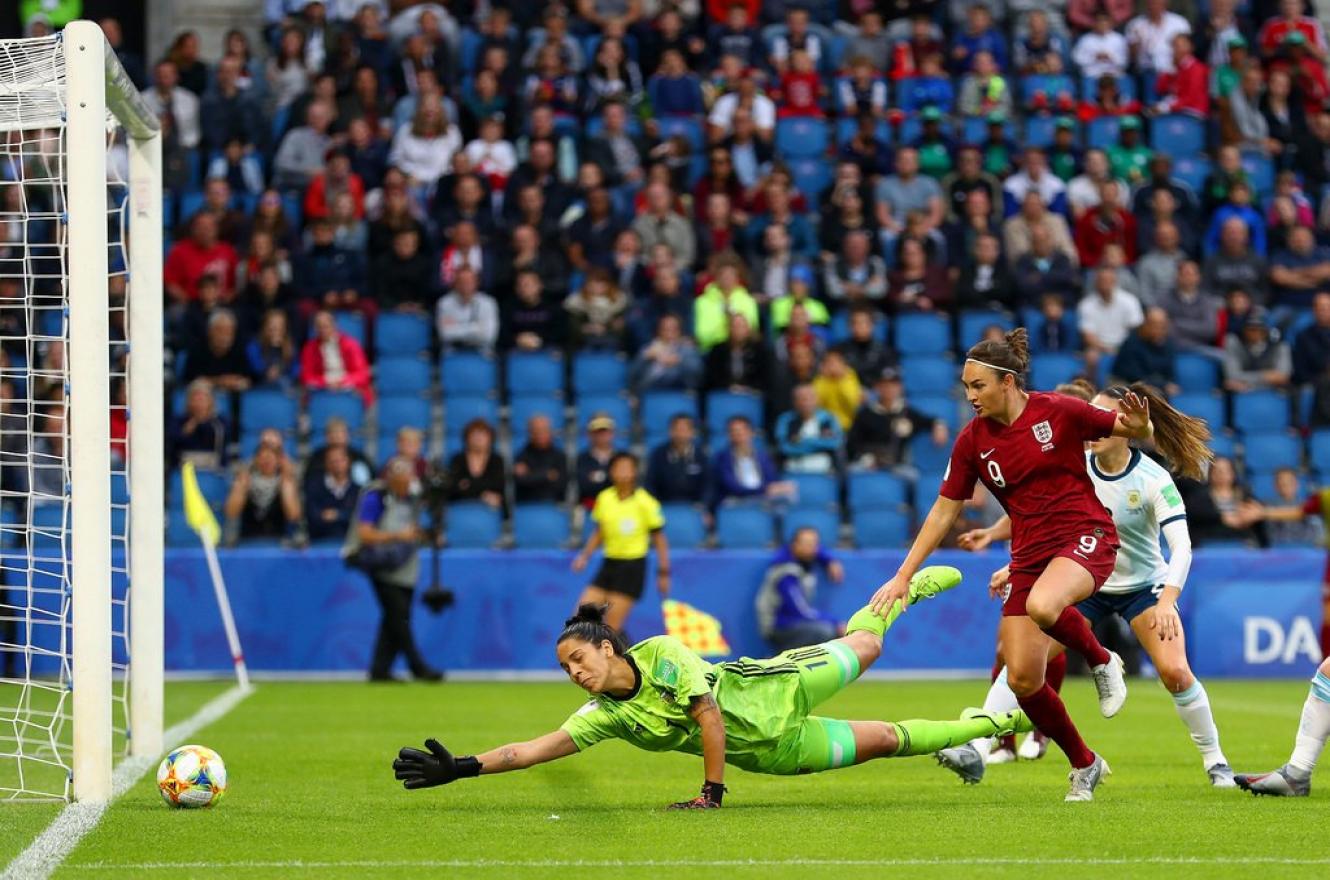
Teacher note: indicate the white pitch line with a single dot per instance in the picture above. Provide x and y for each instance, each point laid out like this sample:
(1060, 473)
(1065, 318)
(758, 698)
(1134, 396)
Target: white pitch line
(684, 863)
(53, 845)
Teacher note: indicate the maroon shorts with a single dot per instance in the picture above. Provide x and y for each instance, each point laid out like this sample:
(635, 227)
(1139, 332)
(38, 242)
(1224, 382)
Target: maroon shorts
(1091, 552)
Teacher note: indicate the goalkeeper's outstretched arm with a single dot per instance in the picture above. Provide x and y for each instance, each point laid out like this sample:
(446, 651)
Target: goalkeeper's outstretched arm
(437, 766)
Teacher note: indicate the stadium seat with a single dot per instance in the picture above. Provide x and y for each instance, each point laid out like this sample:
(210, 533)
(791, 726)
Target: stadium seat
(1260, 411)
(824, 521)
(810, 177)
(1192, 170)
(1047, 371)
(401, 335)
(1050, 84)
(1102, 132)
(1268, 451)
(524, 408)
(178, 532)
(911, 98)
(725, 405)
(846, 127)
(684, 526)
(801, 138)
(875, 490)
(939, 406)
(1090, 88)
(534, 374)
(473, 525)
(1039, 130)
(539, 527)
(396, 377)
(684, 126)
(1261, 172)
(457, 412)
(346, 405)
(658, 407)
(923, 334)
(403, 412)
(1202, 405)
(839, 328)
(927, 456)
(743, 527)
(262, 408)
(1262, 486)
(1223, 445)
(351, 324)
(597, 372)
(880, 529)
(1196, 372)
(465, 374)
(813, 490)
(974, 130)
(928, 374)
(971, 326)
(1320, 451)
(1177, 134)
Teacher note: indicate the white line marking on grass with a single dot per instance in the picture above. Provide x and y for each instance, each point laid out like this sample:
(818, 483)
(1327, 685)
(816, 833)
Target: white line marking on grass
(53, 845)
(502, 864)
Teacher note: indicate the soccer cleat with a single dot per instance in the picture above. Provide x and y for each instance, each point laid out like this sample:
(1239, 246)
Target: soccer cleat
(965, 761)
(1111, 684)
(1221, 776)
(931, 580)
(1085, 780)
(1002, 755)
(1277, 782)
(1033, 747)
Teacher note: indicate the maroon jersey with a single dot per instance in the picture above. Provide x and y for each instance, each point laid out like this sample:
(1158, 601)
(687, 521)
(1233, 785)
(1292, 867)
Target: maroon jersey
(1035, 468)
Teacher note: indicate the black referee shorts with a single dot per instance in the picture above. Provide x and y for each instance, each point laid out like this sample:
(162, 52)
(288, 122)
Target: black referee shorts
(625, 576)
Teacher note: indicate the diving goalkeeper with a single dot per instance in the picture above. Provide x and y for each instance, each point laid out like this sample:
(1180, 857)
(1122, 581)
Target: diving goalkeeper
(754, 714)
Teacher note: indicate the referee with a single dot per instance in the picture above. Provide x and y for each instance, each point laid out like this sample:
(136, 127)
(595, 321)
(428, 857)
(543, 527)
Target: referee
(625, 516)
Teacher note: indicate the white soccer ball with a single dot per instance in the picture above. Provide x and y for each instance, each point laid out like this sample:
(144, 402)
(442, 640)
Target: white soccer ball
(192, 776)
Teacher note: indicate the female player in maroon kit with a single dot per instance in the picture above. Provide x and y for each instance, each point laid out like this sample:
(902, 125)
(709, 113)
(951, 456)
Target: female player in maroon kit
(1028, 449)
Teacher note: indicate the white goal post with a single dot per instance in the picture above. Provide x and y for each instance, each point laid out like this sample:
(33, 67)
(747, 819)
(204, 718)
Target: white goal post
(67, 106)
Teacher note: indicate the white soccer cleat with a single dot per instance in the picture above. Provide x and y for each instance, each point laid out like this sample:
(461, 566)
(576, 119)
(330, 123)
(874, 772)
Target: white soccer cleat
(1001, 756)
(1085, 780)
(1033, 747)
(1111, 684)
(1279, 783)
(1221, 776)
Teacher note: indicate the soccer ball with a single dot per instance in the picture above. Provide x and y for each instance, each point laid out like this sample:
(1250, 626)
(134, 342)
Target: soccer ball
(192, 776)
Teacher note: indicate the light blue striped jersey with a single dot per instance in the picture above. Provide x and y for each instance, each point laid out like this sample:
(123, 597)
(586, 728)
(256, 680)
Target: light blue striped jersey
(1142, 499)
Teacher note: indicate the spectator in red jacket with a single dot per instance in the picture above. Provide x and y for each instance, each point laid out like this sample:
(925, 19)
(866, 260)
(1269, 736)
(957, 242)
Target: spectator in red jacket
(1107, 224)
(1306, 71)
(1291, 20)
(203, 253)
(334, 361)
(1187, 89)
(336, 177)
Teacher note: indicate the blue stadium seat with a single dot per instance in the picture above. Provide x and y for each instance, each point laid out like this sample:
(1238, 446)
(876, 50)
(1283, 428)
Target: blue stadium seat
(351, 324)
(912, 128)
(401, 335)
(1090, 88)
(725, 405)
(939, 406)
(599, 373)
(814, 490)
(928, 374)
(1051, 84)
(810, 177)
(1268, 451)
(178, 532)
(473, 525)
(403, 412)
(1260, 411)
(263, 408)
(743, 527)
(213, 485)
(465, 374)
(396, 377)
(1102, 132)
(824, 521)
(1202, 405)
(458, 411)
(685, 527)
(1196, 372)
(801, 138)
(532, 374)
(1039, 130)
(880, 529)
(875, 490)
(910, 98)
(1262, 485)
(846, 127)
(922, 334)
(1223, 445)
(539, 527)
(926, 456)
(1177, 134)
(613, 405)
(1192, 170)
(685, 126)
(523, 408)
(346, 405)
(971, 325)
(1047, 371)
(1261, 172)
(1320, 451)
(839, 328)
(658, 407)
(974, 130)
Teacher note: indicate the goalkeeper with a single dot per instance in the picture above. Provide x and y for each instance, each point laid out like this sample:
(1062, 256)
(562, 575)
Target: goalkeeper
(754, 714)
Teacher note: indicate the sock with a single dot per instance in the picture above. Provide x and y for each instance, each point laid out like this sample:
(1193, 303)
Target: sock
(1000, 699)
(919, 737)
(1046, 710)
(1313, 729)
(1056, 671)
(1194, 709)
(864, 619)
(1073, 630)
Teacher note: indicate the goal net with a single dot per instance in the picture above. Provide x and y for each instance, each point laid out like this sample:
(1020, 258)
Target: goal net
(81, 465)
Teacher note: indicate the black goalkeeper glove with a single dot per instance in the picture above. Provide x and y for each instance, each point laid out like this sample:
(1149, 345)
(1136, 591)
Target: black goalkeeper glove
(419, 769)
(709, 799)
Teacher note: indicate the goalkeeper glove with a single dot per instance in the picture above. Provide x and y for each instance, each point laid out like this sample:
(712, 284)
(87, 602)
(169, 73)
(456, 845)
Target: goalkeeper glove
(709, 799)
(419, 769)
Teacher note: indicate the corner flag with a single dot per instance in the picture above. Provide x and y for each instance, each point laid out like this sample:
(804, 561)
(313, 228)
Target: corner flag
(698, 630)
(201, 519)
(197, 512)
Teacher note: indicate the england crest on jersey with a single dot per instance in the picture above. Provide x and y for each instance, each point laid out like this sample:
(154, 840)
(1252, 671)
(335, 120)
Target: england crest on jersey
(1043, 432)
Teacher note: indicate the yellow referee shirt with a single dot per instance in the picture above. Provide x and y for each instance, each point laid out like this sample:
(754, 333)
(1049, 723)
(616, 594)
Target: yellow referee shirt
(626, 524)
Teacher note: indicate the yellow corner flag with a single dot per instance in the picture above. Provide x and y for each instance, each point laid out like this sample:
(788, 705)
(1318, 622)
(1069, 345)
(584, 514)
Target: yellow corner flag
(698, 630)
(197, 512)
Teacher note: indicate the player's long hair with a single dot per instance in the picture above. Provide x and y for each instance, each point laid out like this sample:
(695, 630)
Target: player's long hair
(588, 625)
(1011, 355)
(1184, 440)
(1079, 388)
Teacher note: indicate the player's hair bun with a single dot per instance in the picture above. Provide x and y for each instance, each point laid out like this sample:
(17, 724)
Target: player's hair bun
(589, 625)
(588, 612)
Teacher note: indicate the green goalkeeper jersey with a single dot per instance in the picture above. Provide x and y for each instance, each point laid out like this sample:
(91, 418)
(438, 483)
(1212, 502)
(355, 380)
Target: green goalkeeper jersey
(761, 701)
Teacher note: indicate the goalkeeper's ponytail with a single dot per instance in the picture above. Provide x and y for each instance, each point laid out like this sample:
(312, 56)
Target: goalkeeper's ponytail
(588, 625)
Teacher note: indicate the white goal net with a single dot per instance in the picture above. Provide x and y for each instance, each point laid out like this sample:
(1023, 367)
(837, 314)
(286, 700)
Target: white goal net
(80, 418)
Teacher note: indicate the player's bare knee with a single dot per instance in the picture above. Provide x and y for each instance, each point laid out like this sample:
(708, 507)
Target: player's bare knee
(1176, 676)
(1022, 683)
(1044, 611)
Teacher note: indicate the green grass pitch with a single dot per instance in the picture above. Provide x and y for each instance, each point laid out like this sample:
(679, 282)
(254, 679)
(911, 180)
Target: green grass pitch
(312, 795)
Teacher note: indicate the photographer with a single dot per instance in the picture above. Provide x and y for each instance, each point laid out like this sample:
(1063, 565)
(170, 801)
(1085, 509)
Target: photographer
(384, 542)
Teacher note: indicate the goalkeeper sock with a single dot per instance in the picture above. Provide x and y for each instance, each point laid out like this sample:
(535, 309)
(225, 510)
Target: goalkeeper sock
(1000, 698)
(919, 737)
(864, 619)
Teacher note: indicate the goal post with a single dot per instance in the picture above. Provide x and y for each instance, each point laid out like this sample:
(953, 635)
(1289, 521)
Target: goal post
(84, 566)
